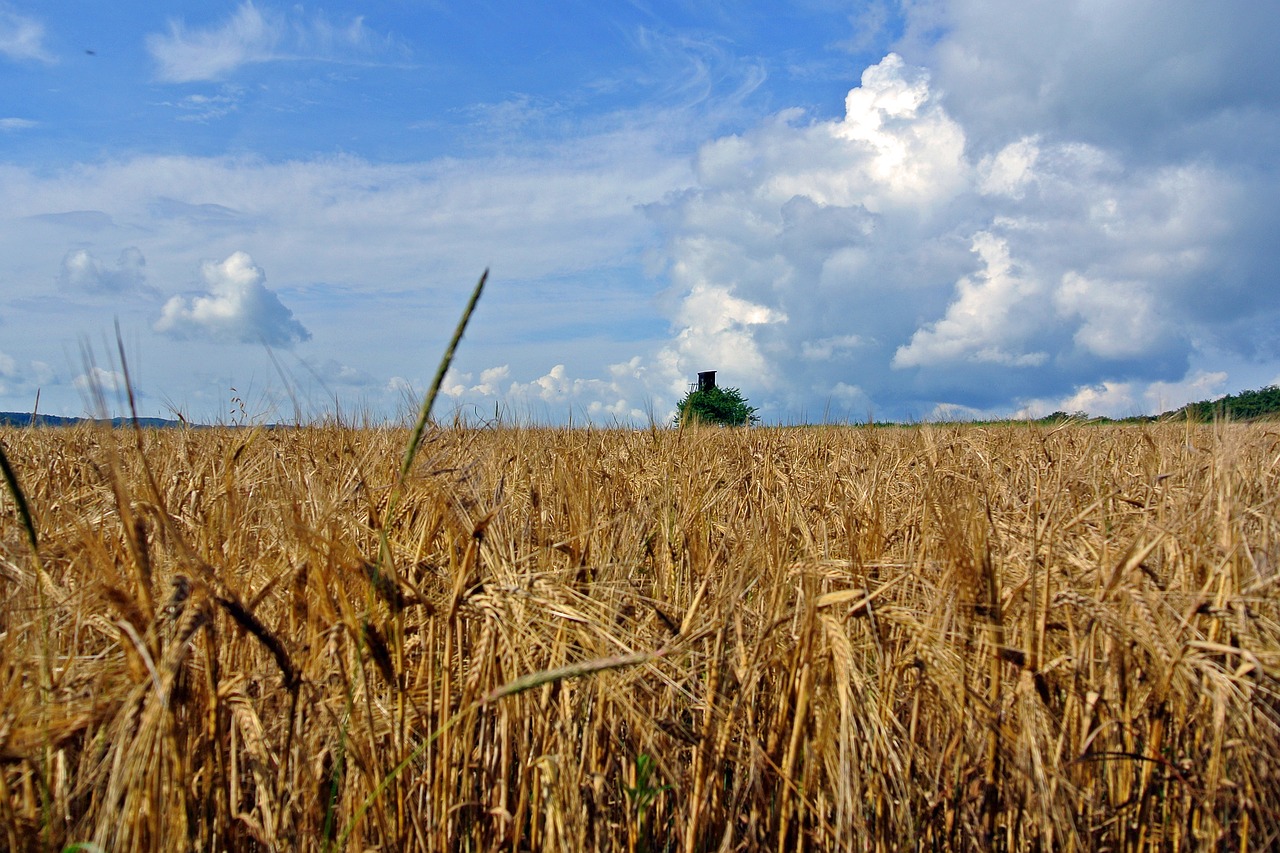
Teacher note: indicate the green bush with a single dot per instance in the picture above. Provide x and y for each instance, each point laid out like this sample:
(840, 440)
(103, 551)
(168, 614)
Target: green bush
(720, 406)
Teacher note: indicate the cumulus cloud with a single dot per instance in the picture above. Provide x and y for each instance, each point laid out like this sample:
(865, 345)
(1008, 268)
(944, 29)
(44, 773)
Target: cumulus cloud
(717, 328)
(99, 379)
(252, 35)
(622, 397)
(399, 384)
(22, 39)
(489, 384)
(991, 320)
(1167, 78)
(82, 271)
(22, 378)
(883, 257)
(1198, 385)
(1117, 318)
(238, 307)
(598, 398)
(1123, 399)
(800, 233)
(1008, 172)
(824, 349)
(911, 149)
(331, 371)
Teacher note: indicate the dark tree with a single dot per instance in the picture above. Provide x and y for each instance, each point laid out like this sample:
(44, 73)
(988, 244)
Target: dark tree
(721, 406)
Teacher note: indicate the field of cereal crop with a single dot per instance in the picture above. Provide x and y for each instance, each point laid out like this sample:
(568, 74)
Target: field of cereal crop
(957, 637)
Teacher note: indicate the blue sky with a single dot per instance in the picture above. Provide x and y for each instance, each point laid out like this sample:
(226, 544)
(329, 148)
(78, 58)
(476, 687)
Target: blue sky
(916, 209)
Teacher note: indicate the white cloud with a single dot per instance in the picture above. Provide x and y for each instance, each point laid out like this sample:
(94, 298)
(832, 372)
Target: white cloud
(237, 308)
(991, 320)
(401, 386)
(330, 372)
(1118, 318)
(12, 124)
(352, 221)
(799, 250)
(19, 378)
(895, 146)
(395, 245)
(915, 149)
(1109, 399)
(99, 379)
(554, 386)
(1008, 172)
(944, 412)
(252, 35)
(621, 397)
(186, 55)
(490, 379)
(84, 272)
(22, 39)
(1163, 77)
(1125, 399)
(1197, 386)
(971, 277)
(489, 385)
(204, 108)
(824, 349)
(717, 331)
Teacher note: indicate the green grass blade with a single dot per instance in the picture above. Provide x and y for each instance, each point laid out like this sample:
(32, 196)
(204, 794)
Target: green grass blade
(20, 500)
(415, 440)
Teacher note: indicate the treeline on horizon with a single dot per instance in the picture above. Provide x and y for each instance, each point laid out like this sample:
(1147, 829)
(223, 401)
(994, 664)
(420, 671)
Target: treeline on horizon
(1245, 406)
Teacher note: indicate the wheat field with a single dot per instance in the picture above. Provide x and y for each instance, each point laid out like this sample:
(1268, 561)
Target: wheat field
(945, 637)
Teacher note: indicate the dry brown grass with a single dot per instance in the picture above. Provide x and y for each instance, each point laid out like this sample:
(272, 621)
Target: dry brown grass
(947, 637)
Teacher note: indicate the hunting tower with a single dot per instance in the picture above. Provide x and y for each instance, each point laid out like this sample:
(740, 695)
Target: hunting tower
(706, 381)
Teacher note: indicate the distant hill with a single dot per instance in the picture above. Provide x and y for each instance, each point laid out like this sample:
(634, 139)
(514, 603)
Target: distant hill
(22, 419)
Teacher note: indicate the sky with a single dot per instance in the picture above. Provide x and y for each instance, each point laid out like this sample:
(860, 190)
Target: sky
(911, 210)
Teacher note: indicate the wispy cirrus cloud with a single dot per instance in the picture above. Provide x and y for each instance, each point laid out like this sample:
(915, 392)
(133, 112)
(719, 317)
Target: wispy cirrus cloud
(184, 55)
(22, 39)
(204, 108)
(253, 35)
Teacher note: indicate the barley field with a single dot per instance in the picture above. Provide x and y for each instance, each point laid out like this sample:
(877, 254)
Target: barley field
(827, 638)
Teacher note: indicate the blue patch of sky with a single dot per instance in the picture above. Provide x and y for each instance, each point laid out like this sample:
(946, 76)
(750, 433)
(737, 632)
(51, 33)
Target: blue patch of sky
(427, 79)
